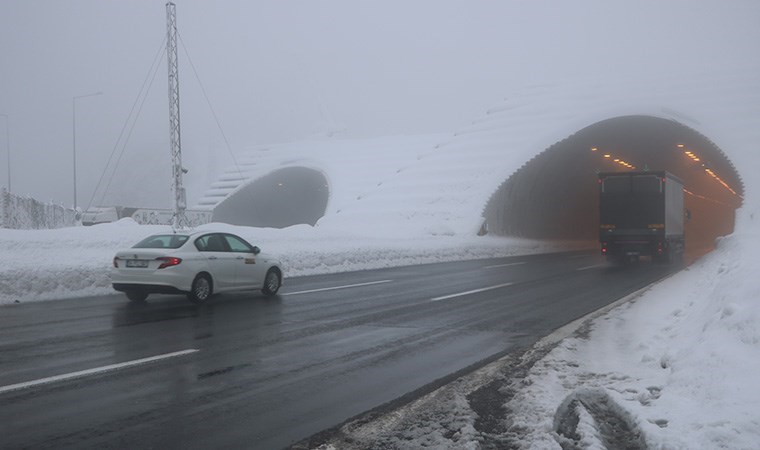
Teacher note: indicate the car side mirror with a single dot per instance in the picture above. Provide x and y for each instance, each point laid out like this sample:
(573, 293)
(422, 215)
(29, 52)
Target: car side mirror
(256, 250)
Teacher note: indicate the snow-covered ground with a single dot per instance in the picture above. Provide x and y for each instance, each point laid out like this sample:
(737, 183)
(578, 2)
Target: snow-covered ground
(679, 363)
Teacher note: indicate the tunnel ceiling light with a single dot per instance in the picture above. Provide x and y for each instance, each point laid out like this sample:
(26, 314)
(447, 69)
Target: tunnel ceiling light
(622, 162)
(593, 149)
(692, 156)
(681, 146)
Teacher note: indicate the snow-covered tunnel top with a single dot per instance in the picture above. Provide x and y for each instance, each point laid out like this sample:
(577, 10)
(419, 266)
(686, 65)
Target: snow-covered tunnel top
(543, 135)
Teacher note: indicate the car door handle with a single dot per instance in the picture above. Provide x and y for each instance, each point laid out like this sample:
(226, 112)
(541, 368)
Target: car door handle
(240, 257)
(212, 257)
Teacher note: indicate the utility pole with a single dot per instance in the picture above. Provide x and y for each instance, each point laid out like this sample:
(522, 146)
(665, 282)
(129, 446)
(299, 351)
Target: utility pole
(180, 203)
(8, 147)
(74, 133)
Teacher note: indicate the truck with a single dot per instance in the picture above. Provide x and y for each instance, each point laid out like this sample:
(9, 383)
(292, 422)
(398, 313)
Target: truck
(641, 213)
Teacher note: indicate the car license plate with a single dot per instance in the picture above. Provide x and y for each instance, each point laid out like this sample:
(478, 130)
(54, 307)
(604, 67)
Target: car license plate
(137, 263)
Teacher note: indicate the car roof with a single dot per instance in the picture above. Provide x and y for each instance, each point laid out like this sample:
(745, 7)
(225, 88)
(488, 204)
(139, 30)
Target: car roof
(192, 233)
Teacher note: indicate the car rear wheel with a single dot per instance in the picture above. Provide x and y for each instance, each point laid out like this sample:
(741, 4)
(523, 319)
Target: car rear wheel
(137, 296)
(271, 283)
(201, 289)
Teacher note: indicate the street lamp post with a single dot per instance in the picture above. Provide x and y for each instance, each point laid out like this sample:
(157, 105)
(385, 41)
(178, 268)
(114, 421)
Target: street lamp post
(74, 127)
(8, 148)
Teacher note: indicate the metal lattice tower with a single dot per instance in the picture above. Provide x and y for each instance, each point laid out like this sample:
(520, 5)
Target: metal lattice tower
(180, 203)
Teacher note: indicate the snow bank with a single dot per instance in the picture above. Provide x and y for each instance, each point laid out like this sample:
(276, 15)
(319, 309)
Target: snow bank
(70, 262)
(680, 363)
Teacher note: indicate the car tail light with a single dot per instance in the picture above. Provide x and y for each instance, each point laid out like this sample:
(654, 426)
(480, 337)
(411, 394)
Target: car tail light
(116, 261)
(168, 261)
(659, 248)
(604, 248)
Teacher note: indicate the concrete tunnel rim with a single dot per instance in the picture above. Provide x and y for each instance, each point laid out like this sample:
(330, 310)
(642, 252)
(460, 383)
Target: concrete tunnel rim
(662, 113)
(288, 165)
(291, 164)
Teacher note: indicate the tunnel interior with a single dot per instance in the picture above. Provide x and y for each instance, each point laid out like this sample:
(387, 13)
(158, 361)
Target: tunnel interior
(555, 195)
(285, 197)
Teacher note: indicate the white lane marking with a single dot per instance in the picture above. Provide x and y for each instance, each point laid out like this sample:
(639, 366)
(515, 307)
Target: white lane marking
(579, 256)
(88, 372)
(505, 265)
(590, 267)
(474, 291)
(336, 287)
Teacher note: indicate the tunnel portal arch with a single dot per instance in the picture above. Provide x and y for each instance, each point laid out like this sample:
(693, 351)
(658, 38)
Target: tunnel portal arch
(554, 195)
(285, 197)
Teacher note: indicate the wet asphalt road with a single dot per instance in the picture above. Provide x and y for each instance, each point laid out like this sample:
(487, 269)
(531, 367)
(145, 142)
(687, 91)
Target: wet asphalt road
(267, 372)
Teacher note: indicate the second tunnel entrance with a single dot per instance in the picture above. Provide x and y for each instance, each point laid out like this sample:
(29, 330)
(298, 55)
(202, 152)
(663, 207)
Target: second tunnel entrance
(285, 197)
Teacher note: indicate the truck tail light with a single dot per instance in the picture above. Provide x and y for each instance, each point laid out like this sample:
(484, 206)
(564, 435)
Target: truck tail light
(168, 261)
(659, 248)
(116, 261)
(604, 248)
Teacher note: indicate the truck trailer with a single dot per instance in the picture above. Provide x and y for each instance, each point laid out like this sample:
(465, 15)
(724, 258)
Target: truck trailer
(641, 214)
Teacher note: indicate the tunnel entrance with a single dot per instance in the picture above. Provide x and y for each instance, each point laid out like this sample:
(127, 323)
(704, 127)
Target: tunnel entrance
(554, 195)
(290, 196)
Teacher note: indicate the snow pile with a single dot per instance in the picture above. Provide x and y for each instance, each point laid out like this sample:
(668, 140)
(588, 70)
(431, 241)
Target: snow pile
(71, 262)
(62, 263)
(679, 364)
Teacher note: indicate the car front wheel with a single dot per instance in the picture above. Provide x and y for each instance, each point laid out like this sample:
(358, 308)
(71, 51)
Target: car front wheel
(271, 283)
(201, 289)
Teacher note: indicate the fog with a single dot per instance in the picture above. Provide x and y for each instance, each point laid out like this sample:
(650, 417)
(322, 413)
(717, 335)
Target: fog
(286, 71)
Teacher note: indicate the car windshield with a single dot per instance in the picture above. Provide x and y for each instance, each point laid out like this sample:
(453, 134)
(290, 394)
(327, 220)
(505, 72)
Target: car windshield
(162, 241)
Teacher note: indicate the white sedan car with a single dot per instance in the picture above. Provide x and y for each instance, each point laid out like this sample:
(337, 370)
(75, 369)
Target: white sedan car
(198, 264)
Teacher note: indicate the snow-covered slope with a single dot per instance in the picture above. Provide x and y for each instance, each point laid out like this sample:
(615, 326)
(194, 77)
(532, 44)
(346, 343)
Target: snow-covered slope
(439, 185)
(450, 185)
(352, 167)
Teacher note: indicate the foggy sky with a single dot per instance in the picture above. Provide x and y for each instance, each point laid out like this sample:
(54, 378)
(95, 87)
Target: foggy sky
(280, 71)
